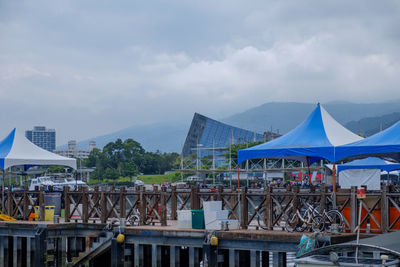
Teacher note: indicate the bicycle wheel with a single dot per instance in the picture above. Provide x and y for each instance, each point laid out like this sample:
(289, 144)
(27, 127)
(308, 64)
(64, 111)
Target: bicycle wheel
(291, 223)
(335, 217)
(301, 226)
(261, 219)
(133, 220)
(318, 224)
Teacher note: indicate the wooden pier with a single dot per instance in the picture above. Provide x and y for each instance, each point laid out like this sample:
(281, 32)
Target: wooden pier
(81, 244)
(380, 209)
(80, 239)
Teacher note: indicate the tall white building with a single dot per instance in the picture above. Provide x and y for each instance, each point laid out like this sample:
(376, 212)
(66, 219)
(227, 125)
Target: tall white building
(74, 152)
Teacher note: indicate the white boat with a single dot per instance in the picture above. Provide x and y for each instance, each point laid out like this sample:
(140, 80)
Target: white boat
(380, 250)
(56, 183)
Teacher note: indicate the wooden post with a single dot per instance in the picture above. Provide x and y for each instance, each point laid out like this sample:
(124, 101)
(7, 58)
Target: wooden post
(334, 178)
(268, 204)
(296, 200)
(155, 197)
(384, 209)
(244, 208)
(220, 191)
(288, 194)
(122, 203)
(26, 205)
(322, 202)
(353, 208)
(41, 204)
(9, 203)
(233, 201)
(163, 206)
(142, 206)
(103, 206)
(85, 204)
(194, 198)
(174, 203)
(67, 207)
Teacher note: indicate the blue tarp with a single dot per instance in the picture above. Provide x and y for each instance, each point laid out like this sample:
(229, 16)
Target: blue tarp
(382, 144)
(369, 163)
(312, 140)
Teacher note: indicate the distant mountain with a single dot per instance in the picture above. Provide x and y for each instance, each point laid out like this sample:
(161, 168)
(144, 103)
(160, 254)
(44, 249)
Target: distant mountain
(166, 137)
(286, 116)
(372, 125)
(282, 116)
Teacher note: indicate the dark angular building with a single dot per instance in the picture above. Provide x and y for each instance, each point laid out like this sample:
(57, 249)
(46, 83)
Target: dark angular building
(209, 133)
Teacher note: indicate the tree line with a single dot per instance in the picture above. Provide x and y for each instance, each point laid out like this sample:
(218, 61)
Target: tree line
(127, 159)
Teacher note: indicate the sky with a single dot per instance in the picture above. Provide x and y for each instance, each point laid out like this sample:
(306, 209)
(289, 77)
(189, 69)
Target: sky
(88, 68)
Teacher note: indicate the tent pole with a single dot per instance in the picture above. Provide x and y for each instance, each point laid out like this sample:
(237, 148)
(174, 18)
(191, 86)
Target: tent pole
(239, 209)
(2, 192)
(238, 173)
(309, 172)
(334, 177)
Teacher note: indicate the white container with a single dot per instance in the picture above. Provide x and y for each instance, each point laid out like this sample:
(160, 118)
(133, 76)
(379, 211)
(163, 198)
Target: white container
(185, 219)
(211, 206)
(213, 219)
(216, 215)
(215, 225)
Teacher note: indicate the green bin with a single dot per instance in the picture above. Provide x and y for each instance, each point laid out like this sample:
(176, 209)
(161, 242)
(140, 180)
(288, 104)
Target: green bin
(198, 219)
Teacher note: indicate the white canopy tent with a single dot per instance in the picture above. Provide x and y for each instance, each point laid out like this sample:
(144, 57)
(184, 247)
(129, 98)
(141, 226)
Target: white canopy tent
(16, 150)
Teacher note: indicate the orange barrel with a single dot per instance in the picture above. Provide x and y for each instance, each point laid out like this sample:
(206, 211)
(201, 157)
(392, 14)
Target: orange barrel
(374, 227)
(393, 214)
(347, 214)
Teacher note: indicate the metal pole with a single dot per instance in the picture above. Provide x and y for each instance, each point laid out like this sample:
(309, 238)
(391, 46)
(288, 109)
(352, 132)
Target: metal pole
(238, 174)
(2, 192)
(309, 172)
(358, 230)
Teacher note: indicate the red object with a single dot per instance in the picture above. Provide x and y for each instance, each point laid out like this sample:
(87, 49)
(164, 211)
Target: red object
(361, 192)
(299, 177)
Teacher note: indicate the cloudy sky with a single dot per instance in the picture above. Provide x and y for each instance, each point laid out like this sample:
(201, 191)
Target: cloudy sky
(88, 68)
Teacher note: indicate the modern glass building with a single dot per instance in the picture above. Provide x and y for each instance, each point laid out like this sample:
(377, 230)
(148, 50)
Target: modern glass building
(208, 133)
(42, 137)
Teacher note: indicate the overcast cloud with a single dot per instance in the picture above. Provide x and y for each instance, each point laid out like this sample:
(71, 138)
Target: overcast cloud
(87, 68)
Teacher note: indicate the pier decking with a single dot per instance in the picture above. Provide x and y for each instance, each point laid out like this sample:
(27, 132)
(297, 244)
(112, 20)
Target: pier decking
(81, 240)
(77, 244)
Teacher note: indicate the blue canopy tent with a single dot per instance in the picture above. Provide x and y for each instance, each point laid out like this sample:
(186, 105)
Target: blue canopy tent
(313, 140)
(385, 144)
(369, 163)
(366, 171)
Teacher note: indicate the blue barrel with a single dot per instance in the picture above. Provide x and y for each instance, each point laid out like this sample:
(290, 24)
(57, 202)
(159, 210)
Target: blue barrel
(53, 199)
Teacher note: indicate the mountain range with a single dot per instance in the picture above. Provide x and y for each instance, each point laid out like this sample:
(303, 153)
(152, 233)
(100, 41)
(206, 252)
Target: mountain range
(276, 116)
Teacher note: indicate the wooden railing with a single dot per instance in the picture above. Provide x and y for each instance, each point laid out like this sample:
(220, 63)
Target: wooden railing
(380, 210)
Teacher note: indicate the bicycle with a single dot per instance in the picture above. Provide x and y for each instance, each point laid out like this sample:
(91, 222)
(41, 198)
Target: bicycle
(331, 217)
(135, 218)
(300, 223)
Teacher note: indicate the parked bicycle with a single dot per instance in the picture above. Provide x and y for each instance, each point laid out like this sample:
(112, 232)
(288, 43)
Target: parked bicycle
(134, 219)
(299, 223)
(331, 217)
